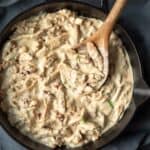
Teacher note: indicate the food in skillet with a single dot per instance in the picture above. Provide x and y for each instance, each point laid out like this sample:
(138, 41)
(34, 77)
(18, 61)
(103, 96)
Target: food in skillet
(51, 91)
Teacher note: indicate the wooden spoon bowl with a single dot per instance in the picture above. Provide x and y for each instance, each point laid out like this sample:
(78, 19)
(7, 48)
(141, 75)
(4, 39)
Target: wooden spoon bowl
(100, 39)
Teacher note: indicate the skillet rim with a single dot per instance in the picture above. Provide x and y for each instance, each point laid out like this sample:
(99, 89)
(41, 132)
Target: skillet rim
(72, 2)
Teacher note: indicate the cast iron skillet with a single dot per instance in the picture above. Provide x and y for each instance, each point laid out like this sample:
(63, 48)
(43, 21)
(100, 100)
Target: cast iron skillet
(89, 11)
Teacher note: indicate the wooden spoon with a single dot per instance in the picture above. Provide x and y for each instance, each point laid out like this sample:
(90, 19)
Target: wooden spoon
(100, 39)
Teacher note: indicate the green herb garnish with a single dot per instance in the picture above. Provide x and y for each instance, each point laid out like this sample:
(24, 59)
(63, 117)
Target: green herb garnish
(110, 103)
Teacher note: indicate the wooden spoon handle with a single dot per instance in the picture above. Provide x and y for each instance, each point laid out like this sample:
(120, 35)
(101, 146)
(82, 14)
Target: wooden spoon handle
(113, 15)
(101, 37)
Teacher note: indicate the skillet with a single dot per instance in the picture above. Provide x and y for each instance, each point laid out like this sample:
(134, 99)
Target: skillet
(139, 83)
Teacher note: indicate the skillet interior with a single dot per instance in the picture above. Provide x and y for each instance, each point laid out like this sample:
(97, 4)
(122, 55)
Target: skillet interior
(88, 11)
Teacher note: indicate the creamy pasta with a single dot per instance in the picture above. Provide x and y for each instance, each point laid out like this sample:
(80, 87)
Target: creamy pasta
(51, 91)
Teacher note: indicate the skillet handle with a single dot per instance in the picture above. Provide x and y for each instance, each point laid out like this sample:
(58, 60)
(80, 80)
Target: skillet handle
(141, 93)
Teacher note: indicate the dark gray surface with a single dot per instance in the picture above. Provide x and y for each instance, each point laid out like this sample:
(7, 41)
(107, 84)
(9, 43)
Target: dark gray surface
(4, 3)
(136, 20)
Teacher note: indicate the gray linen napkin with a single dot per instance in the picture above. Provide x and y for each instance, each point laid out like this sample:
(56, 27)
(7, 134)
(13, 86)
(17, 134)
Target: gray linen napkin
(136, 20)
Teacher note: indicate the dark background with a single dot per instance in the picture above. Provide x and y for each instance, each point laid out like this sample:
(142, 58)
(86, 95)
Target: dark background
(136, 20)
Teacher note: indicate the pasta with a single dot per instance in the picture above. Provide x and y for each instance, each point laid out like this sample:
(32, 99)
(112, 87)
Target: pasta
(51, 91)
